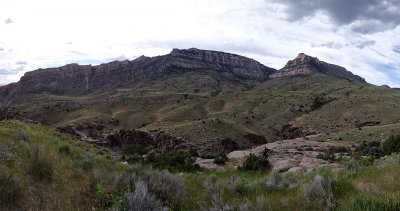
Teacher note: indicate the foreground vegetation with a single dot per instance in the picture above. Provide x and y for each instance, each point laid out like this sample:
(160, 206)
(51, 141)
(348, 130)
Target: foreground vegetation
(43, 170)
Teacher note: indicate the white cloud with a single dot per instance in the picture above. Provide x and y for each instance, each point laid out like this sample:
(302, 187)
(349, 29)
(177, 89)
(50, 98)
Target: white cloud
(52, 33)
(8, 21)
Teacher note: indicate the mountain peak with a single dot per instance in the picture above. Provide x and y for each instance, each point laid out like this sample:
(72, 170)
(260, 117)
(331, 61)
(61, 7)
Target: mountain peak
(304, 65)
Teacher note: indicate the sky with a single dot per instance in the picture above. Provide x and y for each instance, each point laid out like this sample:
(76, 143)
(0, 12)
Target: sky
(360, 35)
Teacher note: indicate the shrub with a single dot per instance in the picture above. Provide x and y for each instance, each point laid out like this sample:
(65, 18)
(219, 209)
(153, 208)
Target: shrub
(65, 148)
(142, 199)
(328, 155)
(5, 155)
(256, 163)
(221, 160)
(169, 188)
(41, 163)
(177, 160)
(214, 189)
(283, 181)
(352, 166)
(319, 193)
(165, 185)
(87, 162)
(10, 190)
(372, 149)
(319, 100)
(241, 188)
(275, 181)
(392, 160)
(104, 198)
(20, 135)
(391, 145)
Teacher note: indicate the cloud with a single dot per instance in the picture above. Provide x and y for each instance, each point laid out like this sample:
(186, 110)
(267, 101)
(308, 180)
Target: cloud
(367, 16)
(360, 44)
(370, 26)
(11, 71)
(336, 31)
(8, 21)
(396, 49)
(363, 43)
(1, 49)
(21, 63)
(333, 45)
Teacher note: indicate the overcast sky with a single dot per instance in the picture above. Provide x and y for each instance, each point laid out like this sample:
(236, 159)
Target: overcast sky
(361, 35)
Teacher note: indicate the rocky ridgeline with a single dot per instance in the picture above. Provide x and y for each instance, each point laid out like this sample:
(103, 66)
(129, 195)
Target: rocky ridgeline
(74, 79)
(78, 79)
(304, 65)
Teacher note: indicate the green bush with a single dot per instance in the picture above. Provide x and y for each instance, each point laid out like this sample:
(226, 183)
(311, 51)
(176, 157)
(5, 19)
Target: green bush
(319, 100)
(175, 161)
(66, 149)
(221, 160)
(391, 145)
(41, 165)
(372, 149)
(256, 163)
(104, 198)
(328, 155)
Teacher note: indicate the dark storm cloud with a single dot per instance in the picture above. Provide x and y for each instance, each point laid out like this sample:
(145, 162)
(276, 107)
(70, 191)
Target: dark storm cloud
(368, 15)
(8, 21)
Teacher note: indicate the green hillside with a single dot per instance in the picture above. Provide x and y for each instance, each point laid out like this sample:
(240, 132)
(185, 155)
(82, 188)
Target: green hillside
(202, 107)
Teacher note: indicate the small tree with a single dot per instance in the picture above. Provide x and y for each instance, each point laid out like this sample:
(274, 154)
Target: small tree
(256, 163)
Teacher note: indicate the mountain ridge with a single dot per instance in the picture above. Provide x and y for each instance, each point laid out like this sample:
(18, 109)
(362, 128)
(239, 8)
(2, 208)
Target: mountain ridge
(304, 65)
(205, 97)
(79, 79)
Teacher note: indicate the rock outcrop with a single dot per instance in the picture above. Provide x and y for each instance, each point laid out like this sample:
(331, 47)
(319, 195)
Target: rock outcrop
(160, 141)
(297, 154)
(304, 65)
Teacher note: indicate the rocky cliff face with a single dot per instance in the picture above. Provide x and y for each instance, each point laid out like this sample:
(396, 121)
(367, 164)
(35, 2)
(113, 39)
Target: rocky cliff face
(77, 79)
(304, 65)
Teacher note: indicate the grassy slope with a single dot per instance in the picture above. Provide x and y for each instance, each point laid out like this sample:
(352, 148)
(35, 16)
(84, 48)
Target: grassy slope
(202, 106)
(76, 187)
(69, 188)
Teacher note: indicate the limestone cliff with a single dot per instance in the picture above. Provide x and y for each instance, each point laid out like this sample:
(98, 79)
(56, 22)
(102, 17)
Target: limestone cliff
(304, 65)
(78, 79)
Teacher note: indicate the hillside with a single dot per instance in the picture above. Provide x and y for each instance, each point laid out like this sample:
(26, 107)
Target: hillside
(202, 97)
(41, 169)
